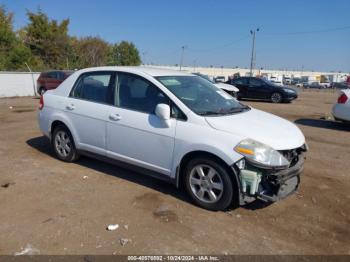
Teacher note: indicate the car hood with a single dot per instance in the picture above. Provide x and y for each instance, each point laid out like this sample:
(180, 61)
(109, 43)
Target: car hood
(278, 133)
(227, 87)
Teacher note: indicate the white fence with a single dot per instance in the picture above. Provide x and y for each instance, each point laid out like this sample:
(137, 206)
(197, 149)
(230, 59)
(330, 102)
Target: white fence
(18, 83)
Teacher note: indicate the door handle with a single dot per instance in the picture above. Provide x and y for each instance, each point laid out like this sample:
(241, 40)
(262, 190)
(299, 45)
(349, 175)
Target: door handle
(115, 117)
(70, 107)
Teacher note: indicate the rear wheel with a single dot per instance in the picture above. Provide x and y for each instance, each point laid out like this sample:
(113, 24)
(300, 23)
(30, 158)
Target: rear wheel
(276, 97)
(208, 184)
(63, 144)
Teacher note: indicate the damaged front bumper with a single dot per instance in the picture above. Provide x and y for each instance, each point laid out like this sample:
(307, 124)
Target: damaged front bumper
(269, 185)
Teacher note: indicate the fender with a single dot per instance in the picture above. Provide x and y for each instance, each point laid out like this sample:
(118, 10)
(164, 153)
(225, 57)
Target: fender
(229, 156)
(60, 116)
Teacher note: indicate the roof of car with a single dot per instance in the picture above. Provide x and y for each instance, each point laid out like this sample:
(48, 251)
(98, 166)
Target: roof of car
(152, 71)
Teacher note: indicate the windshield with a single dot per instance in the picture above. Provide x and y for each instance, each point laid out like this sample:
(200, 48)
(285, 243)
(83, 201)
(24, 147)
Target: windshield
(272, 82)
(201, 96)
(205, 77)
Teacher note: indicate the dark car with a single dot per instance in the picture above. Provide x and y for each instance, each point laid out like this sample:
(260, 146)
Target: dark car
(259, 88)
(51, 80)
(314, 85)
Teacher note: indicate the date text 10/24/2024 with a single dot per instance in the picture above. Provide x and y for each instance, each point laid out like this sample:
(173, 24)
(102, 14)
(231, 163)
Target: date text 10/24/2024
(173, 258)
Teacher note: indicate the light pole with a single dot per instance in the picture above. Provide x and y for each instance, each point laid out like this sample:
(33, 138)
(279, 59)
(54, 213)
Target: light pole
(182, 56)
(252, 58)
(144, 57)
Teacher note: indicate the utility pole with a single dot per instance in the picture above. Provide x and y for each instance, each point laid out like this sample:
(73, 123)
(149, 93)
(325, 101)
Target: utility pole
(252, 58)
(182, 56)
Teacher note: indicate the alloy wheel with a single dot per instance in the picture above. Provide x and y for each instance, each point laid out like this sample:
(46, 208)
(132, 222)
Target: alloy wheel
(63, 144)
(276, 98)
(206, 183)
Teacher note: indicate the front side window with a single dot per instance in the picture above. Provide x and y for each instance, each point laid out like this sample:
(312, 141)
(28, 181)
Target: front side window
(201, 96)
(136, 93)
(93, 87)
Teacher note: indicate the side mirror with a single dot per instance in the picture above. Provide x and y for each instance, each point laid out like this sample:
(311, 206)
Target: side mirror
(163, 111)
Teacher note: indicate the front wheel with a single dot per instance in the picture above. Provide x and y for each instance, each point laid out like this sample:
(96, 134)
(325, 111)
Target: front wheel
(276, 98)
(208, 183)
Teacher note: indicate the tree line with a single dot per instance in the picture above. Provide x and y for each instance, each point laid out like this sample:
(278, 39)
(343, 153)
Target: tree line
(45, 44)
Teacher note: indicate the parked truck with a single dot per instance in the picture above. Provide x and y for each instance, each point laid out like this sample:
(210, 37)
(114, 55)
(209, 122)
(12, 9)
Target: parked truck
(320, 81)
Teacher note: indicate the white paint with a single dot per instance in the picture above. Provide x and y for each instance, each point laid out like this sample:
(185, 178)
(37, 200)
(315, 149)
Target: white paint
(17, 83)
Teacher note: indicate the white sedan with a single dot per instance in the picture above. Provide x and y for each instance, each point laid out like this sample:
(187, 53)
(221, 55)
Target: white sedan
(177, 127)
(230, 89)
(341, 110)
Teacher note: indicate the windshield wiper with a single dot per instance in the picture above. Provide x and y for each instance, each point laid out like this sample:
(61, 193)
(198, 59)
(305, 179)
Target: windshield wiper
(238, 109)
(221, 112)
(206, 113)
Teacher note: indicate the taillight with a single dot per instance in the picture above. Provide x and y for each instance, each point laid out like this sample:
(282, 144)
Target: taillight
(41, 102)
(342, 99)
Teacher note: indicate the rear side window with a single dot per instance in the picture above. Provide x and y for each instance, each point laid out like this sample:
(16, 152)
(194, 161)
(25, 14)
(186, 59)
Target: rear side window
(240, 81)
(255, 82)
(51, 75)
(93, 87)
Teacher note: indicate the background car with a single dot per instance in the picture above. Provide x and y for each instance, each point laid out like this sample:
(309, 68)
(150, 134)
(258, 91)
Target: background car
(259, 88)
(219, 79)
(314, 85)
(230, 89)
(51, 80)
(341, 110)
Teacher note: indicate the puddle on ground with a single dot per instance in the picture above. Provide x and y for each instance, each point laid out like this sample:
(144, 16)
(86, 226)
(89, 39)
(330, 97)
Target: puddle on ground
(164, 214)
(22, 109)
(7, 184)
(147, 201)
(153, 201)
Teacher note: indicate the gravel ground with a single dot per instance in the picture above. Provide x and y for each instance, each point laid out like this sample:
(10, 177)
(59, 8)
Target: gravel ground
(53, 207)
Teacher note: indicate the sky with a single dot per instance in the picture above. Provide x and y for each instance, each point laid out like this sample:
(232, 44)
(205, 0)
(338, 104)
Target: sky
(293, 34)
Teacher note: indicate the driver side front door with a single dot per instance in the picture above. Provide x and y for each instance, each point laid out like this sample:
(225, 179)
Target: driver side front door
(134, 133)
(258, 89)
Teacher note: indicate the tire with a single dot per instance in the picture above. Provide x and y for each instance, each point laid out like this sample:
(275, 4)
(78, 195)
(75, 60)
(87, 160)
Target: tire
(276, 97)
(42, 90)
(63, 144)
(208, 184)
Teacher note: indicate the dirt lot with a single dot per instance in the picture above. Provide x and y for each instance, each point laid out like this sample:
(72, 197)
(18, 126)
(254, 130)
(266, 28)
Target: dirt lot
(61, 208)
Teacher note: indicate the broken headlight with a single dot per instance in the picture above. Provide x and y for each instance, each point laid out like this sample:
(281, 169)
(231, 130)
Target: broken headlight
(261, 155)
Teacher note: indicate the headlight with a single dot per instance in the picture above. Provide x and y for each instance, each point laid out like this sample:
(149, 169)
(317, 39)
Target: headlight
(261, 154)
(289, 91)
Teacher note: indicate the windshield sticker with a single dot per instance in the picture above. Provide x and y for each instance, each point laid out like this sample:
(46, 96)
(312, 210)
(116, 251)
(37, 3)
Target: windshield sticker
(170, 82)
(224, 94)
